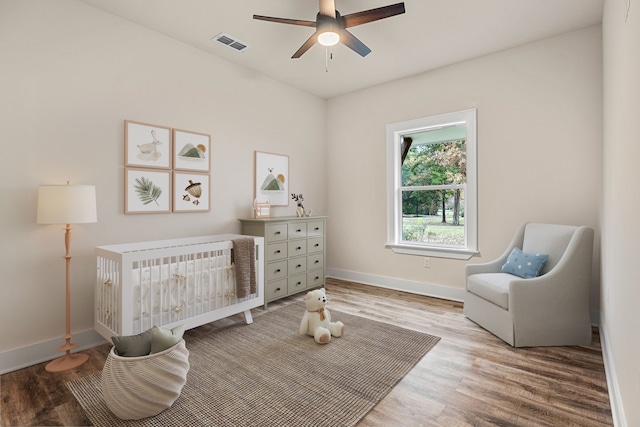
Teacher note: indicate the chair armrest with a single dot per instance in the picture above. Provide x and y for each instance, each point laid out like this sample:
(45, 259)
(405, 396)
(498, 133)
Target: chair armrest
(495, 266)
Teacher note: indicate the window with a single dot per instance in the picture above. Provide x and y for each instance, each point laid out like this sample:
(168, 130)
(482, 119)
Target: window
(431, 186)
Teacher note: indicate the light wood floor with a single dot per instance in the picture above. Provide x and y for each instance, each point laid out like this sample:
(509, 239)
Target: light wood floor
(470, 378)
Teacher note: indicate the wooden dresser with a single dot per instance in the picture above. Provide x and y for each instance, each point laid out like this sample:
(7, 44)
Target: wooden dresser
(294, 253)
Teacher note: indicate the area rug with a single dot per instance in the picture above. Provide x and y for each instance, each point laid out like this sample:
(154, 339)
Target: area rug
(265, 374)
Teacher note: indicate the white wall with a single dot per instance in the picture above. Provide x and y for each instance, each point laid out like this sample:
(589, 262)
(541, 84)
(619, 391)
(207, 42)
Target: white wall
(539, 148)
(620, 315)
(70, 75)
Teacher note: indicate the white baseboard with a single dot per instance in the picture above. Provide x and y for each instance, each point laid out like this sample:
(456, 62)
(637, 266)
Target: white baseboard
(420, 288)
(617, 410)
(22, 357)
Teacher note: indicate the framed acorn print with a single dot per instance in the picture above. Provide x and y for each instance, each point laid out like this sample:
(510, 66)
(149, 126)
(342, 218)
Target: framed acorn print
(191, 192)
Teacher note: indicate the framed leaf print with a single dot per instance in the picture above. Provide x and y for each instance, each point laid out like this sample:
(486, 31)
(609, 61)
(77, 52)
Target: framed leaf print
(191, 151)
(147, 145)
(147, 191)
(272, 178)
(191, 192)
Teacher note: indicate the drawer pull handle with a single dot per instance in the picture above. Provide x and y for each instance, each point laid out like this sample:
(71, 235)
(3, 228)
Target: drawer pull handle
(316, 229)
(299, 283)
(299, 265)
(298, 231)
(278, 271)
(317, 262)
(277, 289)
(316, 278)
(278, 251)
(317, 244)
(298, 248)
(277, 232)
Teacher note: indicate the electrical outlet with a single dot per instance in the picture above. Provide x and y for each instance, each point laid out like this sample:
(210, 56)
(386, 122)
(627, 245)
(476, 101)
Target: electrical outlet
(427, 262)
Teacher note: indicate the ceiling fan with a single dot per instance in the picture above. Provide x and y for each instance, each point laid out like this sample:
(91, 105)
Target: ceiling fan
(331, 27)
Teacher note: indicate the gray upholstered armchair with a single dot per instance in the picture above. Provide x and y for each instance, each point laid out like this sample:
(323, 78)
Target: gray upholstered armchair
(548, 310)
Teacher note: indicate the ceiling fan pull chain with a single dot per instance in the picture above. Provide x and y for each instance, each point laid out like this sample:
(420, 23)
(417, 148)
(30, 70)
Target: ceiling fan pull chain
(326, 59)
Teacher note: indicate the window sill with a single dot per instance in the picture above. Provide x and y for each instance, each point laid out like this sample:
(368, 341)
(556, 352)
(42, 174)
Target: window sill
(431, 251)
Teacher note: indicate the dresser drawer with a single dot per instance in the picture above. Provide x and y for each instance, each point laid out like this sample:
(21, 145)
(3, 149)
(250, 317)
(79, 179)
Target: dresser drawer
(276, 233)
(297, 230)
(276, 251)
(315, 261)
(315, 278)
(297, 247)
(276, 270)
(297, 283)
(315, 228)
(276, 289)
(297, 265)
(316, 244)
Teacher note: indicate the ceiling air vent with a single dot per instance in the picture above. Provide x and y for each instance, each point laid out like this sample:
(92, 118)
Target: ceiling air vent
(231, 42)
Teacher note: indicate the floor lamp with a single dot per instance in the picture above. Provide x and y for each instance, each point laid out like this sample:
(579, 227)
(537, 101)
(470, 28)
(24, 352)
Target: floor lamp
(67, 204)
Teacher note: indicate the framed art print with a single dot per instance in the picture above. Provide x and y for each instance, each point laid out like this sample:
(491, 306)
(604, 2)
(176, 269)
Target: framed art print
(191, 151)
(147, 145)
(147, 191)
(272, 178)
(191, 192)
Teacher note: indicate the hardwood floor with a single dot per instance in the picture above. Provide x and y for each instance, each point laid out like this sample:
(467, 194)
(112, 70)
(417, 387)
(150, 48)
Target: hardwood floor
(470, 378)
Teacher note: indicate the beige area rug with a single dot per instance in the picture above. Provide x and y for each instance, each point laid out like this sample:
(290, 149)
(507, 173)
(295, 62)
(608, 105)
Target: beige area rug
(265, 374)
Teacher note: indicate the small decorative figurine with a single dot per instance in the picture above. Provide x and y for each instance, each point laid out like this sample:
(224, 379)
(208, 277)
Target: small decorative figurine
(300, 211)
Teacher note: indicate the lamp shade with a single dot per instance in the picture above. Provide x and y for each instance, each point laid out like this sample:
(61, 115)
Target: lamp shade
(66, 204)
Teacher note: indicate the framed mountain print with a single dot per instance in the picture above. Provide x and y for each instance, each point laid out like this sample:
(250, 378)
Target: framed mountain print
(272, 178)
(191, 151)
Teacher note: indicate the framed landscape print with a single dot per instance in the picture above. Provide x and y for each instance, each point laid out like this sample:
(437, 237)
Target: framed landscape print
(191, 192)
(272, 178)
(147, 191)
(147, 145)
(191, 151)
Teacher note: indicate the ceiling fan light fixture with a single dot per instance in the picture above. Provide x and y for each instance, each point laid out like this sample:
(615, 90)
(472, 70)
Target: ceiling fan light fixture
(328, 38)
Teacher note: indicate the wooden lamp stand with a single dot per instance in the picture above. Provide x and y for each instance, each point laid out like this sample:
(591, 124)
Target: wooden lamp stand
(68, 361)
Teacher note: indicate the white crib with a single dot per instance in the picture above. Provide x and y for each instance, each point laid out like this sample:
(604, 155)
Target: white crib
(187, 281)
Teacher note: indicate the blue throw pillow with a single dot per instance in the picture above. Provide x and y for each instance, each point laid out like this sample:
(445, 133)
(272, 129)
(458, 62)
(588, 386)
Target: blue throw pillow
(523, 264)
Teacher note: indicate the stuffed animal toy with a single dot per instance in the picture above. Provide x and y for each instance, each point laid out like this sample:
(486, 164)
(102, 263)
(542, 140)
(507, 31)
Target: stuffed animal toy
(316, 321)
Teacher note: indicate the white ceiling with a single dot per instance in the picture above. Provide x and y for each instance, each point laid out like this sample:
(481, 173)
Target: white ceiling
(431, 34)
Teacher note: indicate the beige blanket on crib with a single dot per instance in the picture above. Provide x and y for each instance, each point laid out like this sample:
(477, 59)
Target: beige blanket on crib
(244, 257)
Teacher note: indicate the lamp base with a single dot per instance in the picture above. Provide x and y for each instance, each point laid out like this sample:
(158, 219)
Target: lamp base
(67, 362)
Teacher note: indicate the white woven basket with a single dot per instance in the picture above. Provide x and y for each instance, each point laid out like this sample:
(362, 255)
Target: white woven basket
(140, 387)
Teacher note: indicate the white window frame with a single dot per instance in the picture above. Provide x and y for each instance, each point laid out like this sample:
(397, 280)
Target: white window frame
(395, 131)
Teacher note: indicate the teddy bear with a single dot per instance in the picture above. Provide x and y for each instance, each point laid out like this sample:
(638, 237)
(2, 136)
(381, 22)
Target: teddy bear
(316, 321)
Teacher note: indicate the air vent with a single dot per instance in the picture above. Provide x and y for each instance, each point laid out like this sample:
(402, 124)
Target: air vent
(231, 42)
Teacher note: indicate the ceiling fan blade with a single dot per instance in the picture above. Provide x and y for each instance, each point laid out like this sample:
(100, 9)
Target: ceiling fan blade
(328, 8)
(285, 20)
(306, 46)
(349, 40)
(371, 15)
